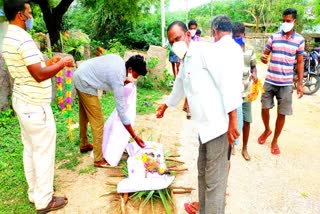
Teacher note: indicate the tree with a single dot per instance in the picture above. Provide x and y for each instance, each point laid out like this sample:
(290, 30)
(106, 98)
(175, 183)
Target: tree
(52, 16)
(104, 20)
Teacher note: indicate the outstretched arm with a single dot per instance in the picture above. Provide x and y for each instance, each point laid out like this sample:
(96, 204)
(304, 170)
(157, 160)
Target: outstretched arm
(40, 73)
(134, 136)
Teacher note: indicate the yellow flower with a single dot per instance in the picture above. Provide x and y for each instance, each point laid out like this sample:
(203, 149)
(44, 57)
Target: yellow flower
(162, 170)
(144, 158)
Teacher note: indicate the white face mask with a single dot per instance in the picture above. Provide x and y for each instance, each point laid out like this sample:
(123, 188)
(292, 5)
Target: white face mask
(193, 32)
(180, 49)
(213, 39)
(287, 26)
(130, 78)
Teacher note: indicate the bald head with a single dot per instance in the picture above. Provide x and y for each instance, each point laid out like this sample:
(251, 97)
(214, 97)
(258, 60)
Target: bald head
(178, 31)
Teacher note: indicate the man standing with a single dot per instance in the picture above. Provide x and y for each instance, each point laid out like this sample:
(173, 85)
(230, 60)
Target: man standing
(249, 72)
(286, 46)
(108, 73)
(213, 87)
(31, 99)
(192, 27)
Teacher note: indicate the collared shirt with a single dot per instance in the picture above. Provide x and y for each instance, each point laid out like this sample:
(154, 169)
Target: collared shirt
(20, 51)
(284, 51)
(106, 73)
(210, 76)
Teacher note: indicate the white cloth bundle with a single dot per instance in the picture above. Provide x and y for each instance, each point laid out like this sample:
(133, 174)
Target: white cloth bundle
(138, 178)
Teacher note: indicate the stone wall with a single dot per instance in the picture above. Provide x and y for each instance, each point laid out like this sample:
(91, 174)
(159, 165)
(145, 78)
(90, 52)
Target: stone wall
(259, 40)
(153, 51)
(5, 86)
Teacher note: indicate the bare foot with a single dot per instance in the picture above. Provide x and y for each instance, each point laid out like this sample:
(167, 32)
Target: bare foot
(246, 155)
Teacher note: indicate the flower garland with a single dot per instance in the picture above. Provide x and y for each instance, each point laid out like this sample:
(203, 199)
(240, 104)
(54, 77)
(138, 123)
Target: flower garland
(65, 108)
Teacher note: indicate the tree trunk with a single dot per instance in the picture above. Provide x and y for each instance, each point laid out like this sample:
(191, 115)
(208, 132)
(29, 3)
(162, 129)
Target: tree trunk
(53, 18)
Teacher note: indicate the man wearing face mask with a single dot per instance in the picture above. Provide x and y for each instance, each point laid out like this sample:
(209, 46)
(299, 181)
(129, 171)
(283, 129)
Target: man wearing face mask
(249, 73)
(213, 87)
(31, 99)
(192, 27)
(108, 73)
(285, 47)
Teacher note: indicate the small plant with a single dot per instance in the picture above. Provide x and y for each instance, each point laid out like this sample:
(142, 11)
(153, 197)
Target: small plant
(114, 46)
(75, 44)
(146, 82)
(153, 62)
(167, 81)
(49, 53)
(6, 117)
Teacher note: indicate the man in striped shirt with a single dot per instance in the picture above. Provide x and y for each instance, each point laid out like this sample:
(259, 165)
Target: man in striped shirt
(286, 46)
(31, 99)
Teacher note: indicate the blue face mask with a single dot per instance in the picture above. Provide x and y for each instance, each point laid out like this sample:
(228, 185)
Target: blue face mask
(239, 40)
(29, 23)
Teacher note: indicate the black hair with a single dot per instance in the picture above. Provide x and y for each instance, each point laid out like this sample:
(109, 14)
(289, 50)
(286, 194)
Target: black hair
(192, 22)
(137, 64)
(179, 23)
(198, 32)
(221, 23)
(12, 7)
(237, 28)
(290, 11)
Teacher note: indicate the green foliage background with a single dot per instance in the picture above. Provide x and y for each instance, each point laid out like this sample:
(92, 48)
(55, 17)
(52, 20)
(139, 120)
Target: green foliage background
(136, 24)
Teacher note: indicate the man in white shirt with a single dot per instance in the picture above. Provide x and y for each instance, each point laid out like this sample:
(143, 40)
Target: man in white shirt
(211, 78)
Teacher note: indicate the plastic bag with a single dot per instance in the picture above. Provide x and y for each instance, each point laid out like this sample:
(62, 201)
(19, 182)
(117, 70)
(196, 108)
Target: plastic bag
(115, 136)
(256, 87)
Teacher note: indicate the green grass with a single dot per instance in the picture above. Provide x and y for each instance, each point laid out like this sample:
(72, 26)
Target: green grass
(13, 191)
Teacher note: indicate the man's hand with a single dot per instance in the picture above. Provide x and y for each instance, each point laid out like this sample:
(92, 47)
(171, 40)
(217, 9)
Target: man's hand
(299, 91)
(254, 77)
(139, 141)
(264, 58)
(233, 132)
(67, 61)
(160, 110)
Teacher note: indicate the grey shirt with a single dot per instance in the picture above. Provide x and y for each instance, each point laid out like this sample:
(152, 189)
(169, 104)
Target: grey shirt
(106, 73)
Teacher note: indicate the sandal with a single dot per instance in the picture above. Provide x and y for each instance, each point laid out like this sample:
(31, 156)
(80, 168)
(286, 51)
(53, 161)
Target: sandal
(101, 164)
(262, 139)
(55, 204)
(188, 116)
(275, 151)
(86, 148)
(191, 207)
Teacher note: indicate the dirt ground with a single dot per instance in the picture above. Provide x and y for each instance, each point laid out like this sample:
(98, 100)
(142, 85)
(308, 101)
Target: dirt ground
(288, 183)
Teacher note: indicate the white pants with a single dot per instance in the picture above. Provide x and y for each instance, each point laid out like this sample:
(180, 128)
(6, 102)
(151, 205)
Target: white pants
(38, 134)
